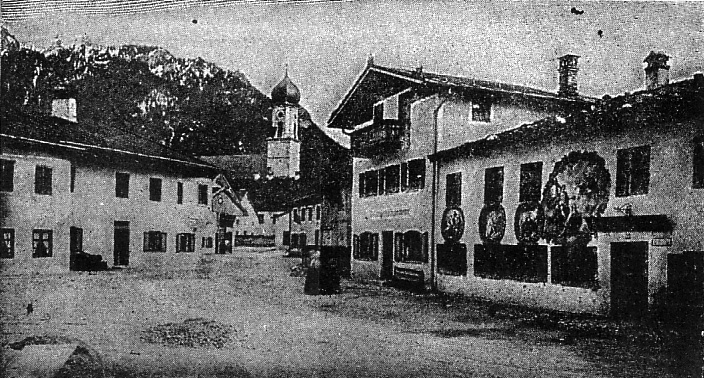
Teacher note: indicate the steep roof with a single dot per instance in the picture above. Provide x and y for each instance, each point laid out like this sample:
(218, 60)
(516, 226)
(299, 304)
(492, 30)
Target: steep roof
(631, 111)
(83, 137)
(377, 82)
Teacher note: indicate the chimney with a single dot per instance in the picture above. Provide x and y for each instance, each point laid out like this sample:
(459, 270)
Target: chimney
(657, 72)
(568, 75)
(64, 105)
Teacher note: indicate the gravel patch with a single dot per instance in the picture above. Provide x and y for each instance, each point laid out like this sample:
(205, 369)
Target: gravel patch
(192, 333)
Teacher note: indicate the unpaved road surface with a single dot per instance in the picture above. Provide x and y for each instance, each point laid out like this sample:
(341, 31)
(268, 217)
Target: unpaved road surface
(274, 330)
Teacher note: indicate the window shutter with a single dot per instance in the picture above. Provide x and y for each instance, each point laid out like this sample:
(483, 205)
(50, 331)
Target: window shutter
(425, 247)
(163, 242)
(146, 241)
(398, 246)
(375, 249)
(404, 177)
(622, 172)
(361, 184)
(178, 242)
(355, 246)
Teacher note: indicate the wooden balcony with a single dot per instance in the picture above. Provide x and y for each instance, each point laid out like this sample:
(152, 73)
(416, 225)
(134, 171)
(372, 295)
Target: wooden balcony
(381, 138)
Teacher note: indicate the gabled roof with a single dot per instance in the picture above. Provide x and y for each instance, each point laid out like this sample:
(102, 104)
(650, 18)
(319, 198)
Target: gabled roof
(378, 82)
(641, 110)
(83, 137)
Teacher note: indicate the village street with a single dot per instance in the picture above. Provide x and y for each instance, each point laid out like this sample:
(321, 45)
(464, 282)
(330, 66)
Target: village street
(277, 331)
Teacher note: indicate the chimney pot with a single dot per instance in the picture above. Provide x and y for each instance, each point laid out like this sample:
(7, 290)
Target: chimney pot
(568, 75)
(657, 72)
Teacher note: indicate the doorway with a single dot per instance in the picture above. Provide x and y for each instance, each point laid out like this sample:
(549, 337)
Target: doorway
(629, 280)
(387, 254)
(75, 245)
(121, 245)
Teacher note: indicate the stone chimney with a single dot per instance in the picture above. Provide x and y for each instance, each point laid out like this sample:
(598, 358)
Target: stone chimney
(64, 105)
(568, 75)
(657, 72)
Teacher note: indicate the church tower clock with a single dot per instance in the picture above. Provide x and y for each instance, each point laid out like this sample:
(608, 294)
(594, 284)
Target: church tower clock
(284, 148)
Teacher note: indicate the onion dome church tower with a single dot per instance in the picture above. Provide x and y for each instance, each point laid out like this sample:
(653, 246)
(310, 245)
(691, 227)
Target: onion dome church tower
(284, 148)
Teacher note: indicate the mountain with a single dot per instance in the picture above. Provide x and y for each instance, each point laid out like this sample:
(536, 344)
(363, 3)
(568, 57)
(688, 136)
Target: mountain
(187, 104)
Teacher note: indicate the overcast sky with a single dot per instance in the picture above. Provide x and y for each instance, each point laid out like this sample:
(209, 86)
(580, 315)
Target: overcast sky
(326, 44)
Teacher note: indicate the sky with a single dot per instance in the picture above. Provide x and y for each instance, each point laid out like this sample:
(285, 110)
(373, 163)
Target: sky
(326, 44)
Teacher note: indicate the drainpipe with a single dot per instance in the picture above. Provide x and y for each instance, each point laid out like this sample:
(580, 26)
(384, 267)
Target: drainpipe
(433, 262)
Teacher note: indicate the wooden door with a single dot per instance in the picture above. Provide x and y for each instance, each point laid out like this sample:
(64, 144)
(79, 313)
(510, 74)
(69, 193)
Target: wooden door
(629, 279)
(122, 243)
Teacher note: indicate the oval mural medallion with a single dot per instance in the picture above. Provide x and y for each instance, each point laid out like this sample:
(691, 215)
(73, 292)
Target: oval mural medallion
(528, 223)
(452, 224)
(492, 223)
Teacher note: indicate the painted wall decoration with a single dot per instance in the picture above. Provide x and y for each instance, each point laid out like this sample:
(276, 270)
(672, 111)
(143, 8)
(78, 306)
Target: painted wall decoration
(492, 223)
(528, 223)
(452, 224)
(576, 192)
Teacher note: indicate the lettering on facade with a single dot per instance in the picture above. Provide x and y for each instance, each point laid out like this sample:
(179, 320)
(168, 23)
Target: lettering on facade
(394, 213)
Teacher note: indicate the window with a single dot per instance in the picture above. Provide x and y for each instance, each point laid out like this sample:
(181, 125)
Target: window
(416, 174)
(155, 189)
(574, 266)
(404, 177)
(453, 191)
(42, 243)
(76, 241)
(295, 216)
(122, 185)
(7, 175)
(317, 212)
(698, 163)
(362, 189)
(382, 181)
(7, 248)
(273, 219)
(412, 246)
(202, 194)
(378, 112)
(632, 171)
(494, 185)
(393, 179)
(310, 213)
(260, 217)
(185, 242)
(481, 110)
(531, 181)
(286, 238)
(206, 242)
(371, 179)
(73, 178)
(179, 193)
(42, 180)
(154, 241)
(366, 246)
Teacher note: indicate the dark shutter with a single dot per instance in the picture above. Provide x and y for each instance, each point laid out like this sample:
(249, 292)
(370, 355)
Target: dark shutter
(163, 242)
(355, 246)
(146, 241)
(375, 247)
(405, 179)
(425, 247)
(398, 246)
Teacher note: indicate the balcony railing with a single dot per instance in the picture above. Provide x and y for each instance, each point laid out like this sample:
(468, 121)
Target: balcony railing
(383, 137)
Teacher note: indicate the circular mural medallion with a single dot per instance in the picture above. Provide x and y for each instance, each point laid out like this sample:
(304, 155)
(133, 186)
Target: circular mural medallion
(528, 222)
(492, 223)
(452, 224)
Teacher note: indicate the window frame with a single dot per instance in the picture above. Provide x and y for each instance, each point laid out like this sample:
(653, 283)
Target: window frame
(481, 109)
(494, 185)
(419, 182)
(366, 246)
(155, 192)
(530, 182)
(203, 194)
(633, 175)
(185, 242)
(179, 193)
(392, 179)
(122, 185)
(39, 235)
(453, 190)
(43, 180)
(151, 245)
(7, 246)
(7, 175)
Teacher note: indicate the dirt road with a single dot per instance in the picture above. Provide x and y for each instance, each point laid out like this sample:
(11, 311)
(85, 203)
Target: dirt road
(277, 331)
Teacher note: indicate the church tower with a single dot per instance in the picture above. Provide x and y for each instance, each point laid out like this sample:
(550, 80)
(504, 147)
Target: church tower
(284, 148)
